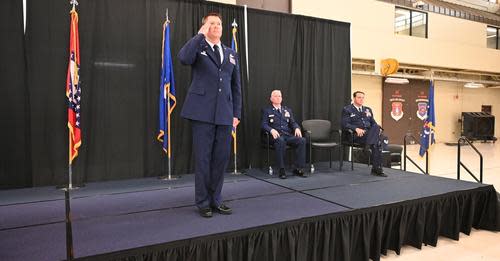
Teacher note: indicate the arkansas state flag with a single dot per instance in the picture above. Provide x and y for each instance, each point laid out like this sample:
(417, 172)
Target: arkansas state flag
(73, 90)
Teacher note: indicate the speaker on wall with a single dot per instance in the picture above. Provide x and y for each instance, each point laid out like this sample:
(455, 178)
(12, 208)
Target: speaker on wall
(478, 125)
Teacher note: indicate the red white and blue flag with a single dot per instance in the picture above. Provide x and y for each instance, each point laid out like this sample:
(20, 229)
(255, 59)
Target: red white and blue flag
(73, 88)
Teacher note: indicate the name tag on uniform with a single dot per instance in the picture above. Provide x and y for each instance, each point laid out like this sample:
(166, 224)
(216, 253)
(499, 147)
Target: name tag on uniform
(231, 59)
(353, 115)
(204, 53)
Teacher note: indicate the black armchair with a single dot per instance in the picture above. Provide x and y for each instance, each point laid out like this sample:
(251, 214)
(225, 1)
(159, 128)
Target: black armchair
(266, 142)
(395, 155)
(348, 141)
(319, 134)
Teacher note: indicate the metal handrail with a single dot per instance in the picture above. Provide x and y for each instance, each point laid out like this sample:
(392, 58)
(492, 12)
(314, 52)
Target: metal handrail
(408, 157)
(459, 162)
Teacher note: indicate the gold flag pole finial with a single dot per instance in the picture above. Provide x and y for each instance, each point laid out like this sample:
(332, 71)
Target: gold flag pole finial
(74, 3)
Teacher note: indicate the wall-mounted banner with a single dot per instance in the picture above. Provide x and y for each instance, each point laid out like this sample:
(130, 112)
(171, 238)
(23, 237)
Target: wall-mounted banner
(422, 101)
(397, 102)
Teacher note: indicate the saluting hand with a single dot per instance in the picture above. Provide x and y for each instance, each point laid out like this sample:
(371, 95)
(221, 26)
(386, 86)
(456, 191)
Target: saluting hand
(204, 29)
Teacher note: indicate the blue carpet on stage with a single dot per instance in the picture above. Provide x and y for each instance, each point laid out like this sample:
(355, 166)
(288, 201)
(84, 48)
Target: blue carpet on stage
(113, 220)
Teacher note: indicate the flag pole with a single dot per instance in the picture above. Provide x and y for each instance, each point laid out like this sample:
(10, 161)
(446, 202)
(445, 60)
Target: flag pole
(235, 134)
(70, 170)
(235, 152)
(73, 3)
(169, 174)
(69, 230)
(168, 121)
(169, 146)
(428, 159)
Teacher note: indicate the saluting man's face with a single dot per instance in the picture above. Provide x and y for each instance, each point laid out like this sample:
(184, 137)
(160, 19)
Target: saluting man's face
(215, 30)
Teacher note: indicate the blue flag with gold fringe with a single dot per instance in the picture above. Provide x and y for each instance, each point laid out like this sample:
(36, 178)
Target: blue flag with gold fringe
(427, 133)
(234, 43)
(167, 91)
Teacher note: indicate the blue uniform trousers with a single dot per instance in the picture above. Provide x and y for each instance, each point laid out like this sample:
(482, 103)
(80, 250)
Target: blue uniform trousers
(299, 143)
(372, 138)
(212, 148)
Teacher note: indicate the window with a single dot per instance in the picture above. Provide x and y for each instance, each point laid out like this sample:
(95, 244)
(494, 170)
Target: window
(486, 108)
(283, 6)
(492, 37)
(410, 22)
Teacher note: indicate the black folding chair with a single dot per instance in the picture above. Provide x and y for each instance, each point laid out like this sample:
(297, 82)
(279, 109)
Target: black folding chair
(319, 135)
(348, 141)
(266, 142)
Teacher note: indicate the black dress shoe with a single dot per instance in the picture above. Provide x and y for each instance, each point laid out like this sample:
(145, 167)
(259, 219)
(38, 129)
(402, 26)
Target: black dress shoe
(378, 172)
(223, 209)
(299, 172)
(205, 212)
(282, 173)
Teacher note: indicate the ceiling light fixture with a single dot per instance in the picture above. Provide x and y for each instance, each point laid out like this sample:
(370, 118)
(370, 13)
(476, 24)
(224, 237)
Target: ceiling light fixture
(473, 85)
(397, 80)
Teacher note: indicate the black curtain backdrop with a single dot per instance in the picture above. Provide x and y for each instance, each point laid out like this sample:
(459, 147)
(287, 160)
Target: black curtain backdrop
(120, 47)
(308, 59)
(15, 163)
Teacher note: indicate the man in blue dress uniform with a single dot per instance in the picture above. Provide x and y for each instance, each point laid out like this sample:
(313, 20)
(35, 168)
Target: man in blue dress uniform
(359, 119)
(213, 105)
(279, 122)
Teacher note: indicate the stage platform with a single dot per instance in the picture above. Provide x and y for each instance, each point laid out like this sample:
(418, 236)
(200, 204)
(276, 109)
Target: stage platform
(331, 215)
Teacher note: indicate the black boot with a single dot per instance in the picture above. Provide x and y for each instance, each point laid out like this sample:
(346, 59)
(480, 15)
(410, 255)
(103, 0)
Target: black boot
(300, 172)
(282, 173)
(378, 172)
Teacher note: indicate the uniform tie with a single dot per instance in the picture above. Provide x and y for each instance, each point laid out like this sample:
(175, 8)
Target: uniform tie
(217, 54)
